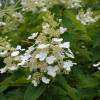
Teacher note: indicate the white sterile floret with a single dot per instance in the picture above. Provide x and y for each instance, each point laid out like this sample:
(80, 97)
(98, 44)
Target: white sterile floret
(24, 59)
(57, 40)
(29, 77)
(15, 53)
(62, 30)
(34, 82)
(52, 70)
(44, 9)
(65, 45)
(34, 35)
(60, 20)
(50, 59)
(30, 49)
(96, 65)
(69, 53)
(12, 68)
(45, 80)
(3, 70)
(42, 55)
(21, 63)
(18, 47)
(68, 64)
(42, 46)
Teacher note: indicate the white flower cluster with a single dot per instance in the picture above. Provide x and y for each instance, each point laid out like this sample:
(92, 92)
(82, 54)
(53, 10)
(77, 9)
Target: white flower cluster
(47, 57)
(87, 18)
(74, 3)
(43, 5)
(34, 5)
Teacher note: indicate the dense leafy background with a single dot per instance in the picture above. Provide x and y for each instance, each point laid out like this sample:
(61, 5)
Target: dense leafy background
(83, 82)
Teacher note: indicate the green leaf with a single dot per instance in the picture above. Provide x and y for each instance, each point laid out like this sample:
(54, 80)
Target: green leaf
(3, 88)
(33, 93)
(72, 92)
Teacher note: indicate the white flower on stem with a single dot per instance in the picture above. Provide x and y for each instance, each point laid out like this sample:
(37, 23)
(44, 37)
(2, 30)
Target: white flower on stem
(21, 63)
(52, 71)
(34, 35)
(68, 64)
(3, 70)
(12, 68)
(19, 48)
(96, 65)
(15, 53)
(43, 46)
(24, 59)
(29, 77)
(42, 55)
(65, 45)
(62, 30)
(30, 49)
(44, 9)
(60, 20)
(69, 53)
(50, 59)
(34, 82)
(45, 80)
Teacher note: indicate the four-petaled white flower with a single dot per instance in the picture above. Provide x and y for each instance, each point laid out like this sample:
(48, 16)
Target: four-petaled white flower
(34, 82)
(52, 70)
(96, 65)
(42, 55)
(68, 64)
(12, 68)
(62, 30)
(42, 46)
(45, 80)
(65, 45)
(57, 40)
(3, 70)
(19, 48)
(34, 35)
(50, 59)
(29, 77)
(15, 53)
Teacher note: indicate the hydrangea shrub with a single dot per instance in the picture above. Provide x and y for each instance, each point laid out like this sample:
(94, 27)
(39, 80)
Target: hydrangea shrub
(49, 50)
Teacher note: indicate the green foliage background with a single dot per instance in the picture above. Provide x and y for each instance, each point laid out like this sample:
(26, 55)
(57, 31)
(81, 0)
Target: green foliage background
(83, 82)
